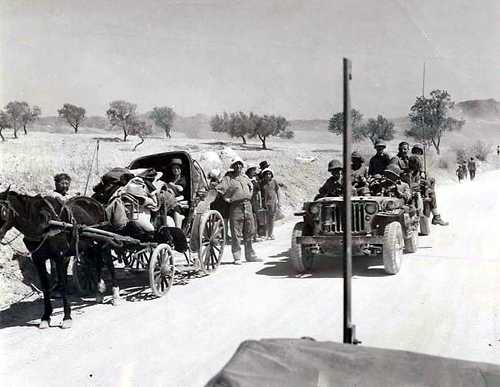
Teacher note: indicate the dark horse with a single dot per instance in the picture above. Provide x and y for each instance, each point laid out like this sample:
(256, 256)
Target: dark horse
(30, 215)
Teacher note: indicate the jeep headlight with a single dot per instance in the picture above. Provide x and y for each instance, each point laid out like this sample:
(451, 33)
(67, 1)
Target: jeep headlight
(371, 208)
(314, 209)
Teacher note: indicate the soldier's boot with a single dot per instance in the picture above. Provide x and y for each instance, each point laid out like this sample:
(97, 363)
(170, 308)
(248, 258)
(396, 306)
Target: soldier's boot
(250, 255)
(436, 219)
(237, 257)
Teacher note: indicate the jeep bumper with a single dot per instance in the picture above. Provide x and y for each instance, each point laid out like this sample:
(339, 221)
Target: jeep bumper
(333, 242)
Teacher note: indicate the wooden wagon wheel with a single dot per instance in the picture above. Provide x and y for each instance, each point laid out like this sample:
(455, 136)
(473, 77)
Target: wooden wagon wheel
(85, 274)
(211, 241)
(138, 260)
(161, 270)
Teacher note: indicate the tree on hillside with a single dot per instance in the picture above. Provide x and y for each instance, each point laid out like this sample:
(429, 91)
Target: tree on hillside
(30, 115)
(269, 125)
(234, 124)
(429, 118)
(16, 111)
(378, 129)
(122, 114)
(4, 123)
(164, 118)
(140, 129)
(336, 124)
(74, 115)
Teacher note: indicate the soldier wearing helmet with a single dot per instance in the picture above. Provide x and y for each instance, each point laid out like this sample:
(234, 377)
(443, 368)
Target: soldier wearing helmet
(333, 185)
(394, 186)
(380, 161)
(236, 189)
(359, 173)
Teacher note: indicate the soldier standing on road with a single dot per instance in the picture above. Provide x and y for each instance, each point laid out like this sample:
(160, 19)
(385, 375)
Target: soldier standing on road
(498, 150)
(460, 173)
(472, 168)
(430, 185)
(380, 161)
(236, 189)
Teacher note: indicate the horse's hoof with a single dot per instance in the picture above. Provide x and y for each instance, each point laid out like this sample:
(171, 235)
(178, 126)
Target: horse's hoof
(67, 323)
(99, 298)
(44, 324)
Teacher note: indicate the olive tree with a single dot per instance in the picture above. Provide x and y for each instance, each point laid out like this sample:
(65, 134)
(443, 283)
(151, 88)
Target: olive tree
(74, 115)
(164, 118)
(430, 120)
(122, 114)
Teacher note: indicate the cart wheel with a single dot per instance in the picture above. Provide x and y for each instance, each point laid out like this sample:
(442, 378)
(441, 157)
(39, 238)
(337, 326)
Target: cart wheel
(212, 241)
(161, 270)
(137, 260)
(85, 274)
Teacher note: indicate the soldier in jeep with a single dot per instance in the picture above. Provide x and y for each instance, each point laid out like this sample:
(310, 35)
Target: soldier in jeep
(380, 161)
(390, 184)
(333, 185)
(359, 174)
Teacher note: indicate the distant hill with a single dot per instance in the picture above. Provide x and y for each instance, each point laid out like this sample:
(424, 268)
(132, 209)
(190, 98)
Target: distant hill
(480, 108)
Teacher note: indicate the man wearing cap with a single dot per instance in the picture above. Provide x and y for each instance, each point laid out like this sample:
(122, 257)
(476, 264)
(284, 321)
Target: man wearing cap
(401, 159)
(428, 184)
(333, 185)
(359, 173)
(236, 188)
(380, 161)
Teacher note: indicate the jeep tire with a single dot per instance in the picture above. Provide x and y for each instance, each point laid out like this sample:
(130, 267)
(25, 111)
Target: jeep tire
(392, 248)
(299, 258)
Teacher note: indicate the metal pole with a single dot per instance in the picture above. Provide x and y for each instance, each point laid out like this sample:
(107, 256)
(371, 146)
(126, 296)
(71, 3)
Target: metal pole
(349, 328)
(423, 126)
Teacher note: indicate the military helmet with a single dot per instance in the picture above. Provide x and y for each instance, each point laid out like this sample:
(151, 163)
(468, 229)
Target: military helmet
(380, 143)
(417, 149)
(357, 156)
(334, 164)
(392, 171)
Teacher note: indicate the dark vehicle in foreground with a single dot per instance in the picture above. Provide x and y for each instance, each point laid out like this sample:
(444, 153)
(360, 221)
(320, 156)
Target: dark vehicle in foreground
(380, 225)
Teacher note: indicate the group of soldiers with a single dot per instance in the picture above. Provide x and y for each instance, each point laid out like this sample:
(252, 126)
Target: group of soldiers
(465, 166)
(242, 193)
(400, 176)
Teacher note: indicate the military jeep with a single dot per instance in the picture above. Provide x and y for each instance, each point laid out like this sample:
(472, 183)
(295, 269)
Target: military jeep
(380, 225)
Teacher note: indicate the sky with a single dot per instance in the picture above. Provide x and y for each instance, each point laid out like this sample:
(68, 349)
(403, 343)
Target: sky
(277, 57)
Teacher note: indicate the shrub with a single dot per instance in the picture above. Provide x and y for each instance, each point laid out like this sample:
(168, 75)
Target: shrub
(480, 150)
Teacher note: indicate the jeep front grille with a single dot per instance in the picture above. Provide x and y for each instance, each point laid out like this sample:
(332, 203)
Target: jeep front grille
(332, 215)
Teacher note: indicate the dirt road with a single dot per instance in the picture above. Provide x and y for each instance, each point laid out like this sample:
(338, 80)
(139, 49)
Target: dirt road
(445, 301)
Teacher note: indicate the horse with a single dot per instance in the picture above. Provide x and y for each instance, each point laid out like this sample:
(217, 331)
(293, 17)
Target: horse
(30, 215)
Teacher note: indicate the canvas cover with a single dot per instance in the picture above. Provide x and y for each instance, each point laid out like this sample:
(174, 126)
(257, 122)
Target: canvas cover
(306, 363)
